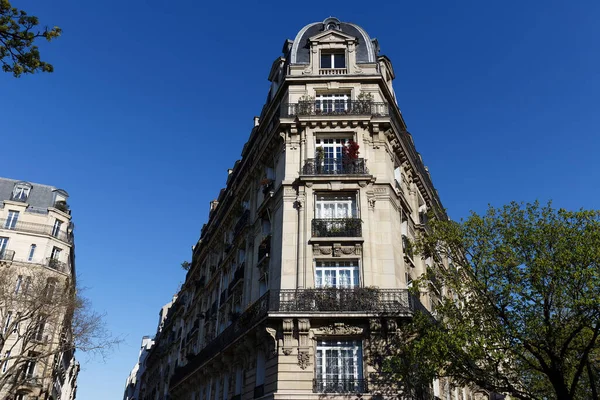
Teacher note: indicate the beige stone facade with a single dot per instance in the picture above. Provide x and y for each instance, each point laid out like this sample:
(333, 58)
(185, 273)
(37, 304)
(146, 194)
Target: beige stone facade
(306, 252)
(36, 253)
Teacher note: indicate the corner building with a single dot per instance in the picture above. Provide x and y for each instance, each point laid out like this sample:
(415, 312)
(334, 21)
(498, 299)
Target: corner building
(306, 254)
(36, 245)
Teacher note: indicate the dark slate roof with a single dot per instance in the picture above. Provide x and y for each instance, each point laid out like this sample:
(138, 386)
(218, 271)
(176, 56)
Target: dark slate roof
(40, 196)
(366, 50)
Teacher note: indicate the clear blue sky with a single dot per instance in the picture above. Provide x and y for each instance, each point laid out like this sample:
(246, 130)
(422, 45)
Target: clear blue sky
(152, 101)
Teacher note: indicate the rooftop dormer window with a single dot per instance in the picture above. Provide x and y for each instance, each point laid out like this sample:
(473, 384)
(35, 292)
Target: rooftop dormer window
(333, 59)
(21, 192)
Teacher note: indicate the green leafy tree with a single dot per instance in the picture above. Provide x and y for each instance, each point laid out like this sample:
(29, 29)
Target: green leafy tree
(18, 34)
(519, 311)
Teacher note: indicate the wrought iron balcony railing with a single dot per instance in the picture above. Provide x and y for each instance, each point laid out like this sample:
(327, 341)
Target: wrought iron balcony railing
(337, 227)
(254, 314)
(343, 107)
(365, 300)
(7, 255)
(335, 167)
(30, 227)
(341, 385)
(57, 265)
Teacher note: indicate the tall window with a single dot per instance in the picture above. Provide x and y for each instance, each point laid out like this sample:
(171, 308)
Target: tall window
(5, 363)
(30, 366)
(11, 220)
(56, 228)
(335, 102)
(31, 252)
(337, 274)
(339, 366)
(55, 253)
(8, 321)
(19, 283)
(332, 151)
(335, 59)
(338, 205)
(3, 243)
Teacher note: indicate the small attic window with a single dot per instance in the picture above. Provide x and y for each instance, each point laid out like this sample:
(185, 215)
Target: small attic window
(21, 192)
(333, 59)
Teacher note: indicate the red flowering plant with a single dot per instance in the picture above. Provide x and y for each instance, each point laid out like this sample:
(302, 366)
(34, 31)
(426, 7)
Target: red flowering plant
(350, 154)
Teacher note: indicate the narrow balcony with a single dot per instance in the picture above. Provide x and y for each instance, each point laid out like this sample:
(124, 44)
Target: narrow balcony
(7, 255)
(56, 265)
(30, 227)
(248, 319)
(350, 300)
(333, 71)
(346, 107)
(339, 385)
(337, 227)
(314, 166)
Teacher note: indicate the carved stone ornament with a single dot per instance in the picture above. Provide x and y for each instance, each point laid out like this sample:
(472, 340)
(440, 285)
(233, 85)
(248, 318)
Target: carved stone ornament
(337, 249)
(273, 334)
(320, 250)
(303, 359)
(288, 332)
(339, 329)
(371, 201)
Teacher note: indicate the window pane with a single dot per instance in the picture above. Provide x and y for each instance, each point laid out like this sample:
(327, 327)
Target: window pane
(339, 60)
(325, 60)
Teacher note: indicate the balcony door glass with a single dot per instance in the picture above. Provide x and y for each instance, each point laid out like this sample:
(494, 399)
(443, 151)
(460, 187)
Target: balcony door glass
(339, 366)
(56, 228)
(333, 152)
(332, 103)
(335, 206)
(3, 243)
(11, 220)
(337, 274)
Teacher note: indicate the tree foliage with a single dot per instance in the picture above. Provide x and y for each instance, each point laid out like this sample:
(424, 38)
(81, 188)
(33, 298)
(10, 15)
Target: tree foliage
(43, 319)
(18, 34)
(520, 308)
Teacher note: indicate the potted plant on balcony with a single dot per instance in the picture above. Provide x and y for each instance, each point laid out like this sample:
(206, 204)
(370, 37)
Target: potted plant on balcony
(319, 157)
(350, 154)
(363, 103)
(306, 105)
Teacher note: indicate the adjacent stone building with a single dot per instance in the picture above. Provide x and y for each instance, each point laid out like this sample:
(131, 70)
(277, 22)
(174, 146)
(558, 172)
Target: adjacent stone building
(37, 256)
(306, 255)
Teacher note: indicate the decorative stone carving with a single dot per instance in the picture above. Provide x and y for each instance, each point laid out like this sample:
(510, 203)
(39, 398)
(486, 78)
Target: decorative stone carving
(303, 343)
(273, 334)
(347, 250)
(371, 201)
(337, 249)
(288, 336)
(358, 249)
(303, 359)
(339, 328)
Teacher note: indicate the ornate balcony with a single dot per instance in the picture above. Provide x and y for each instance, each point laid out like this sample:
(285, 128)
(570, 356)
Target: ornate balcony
(43, 229)
(337, 227)
(335, 167)
(349, 385)
(253, 315)
(353, 300)
(346, 107)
